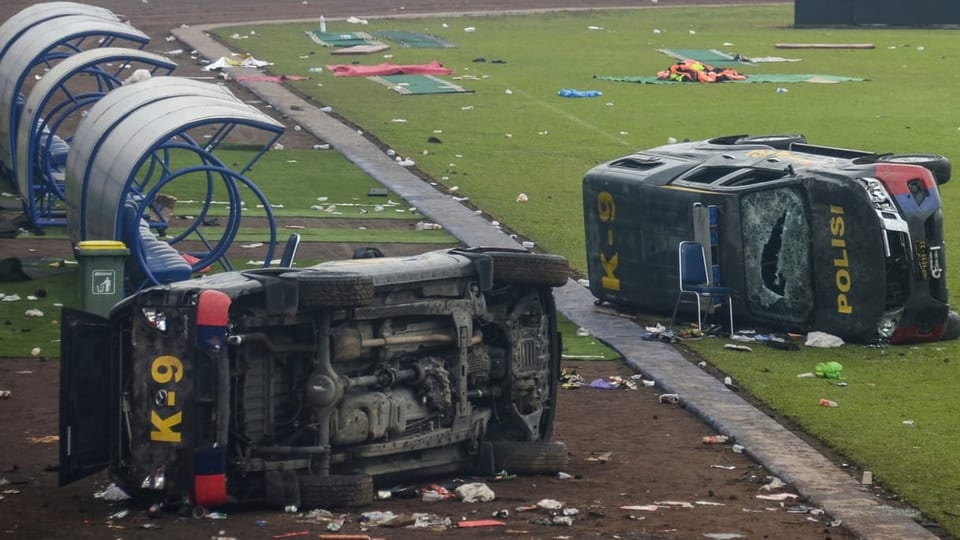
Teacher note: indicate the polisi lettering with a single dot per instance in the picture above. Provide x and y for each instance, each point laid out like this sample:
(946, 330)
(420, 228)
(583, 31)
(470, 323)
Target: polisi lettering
(841, 261)
(607, 213)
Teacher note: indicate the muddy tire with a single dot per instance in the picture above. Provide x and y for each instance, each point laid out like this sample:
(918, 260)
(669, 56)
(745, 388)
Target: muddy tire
(533, 457)
(535, 269)
(938, 165)
(336, 491)
(780, 142)
(329, 289)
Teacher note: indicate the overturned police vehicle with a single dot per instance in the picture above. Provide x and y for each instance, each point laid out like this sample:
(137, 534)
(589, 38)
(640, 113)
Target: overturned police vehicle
(304, 386)
(808, 237)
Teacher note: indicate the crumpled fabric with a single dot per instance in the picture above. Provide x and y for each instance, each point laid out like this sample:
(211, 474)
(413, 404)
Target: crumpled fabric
(475, 492)
(823, 340)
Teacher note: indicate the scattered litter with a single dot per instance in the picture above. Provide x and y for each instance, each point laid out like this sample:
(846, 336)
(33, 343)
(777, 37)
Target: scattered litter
(822, 340)
(829, 370)
(253, 245)
(564, 476)
(805, 375)
(35, 351)
(120, 515)
(671, 399)
(599, 457)
(738, 448)
(4, 394)
(736, 347)
(356, 20)
(677, 504)
(475, 492)
(641, 507)
(724, 467)
(715, 439)
(473, 523)
(723, 536)
(45, 439)
(774, 483)
(866, 478)
(10, 298)
(777, 496)
(435, 493)
(470, 29)
(549, 504)
(708, 503)
(522, 198)
(571, 92)
(112, 493)
(829, 403)
(427, 226)
(907, 422)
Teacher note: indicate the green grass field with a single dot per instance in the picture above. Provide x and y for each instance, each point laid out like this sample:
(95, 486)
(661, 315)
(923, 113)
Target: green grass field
(515, 134)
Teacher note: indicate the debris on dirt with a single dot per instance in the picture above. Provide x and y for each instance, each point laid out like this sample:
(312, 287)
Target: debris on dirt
(475, 492)
(671, 399)
(599, 457)
(715, 439)
(112, 493)
(45, 439)
(549, 504)
(777, 496)
(473, 523)
(774, 483)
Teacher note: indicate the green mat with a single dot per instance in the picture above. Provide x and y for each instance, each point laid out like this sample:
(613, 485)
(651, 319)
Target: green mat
(414, 40)
(707, 56)
(340, 39)
(418, 84)
(751, 78)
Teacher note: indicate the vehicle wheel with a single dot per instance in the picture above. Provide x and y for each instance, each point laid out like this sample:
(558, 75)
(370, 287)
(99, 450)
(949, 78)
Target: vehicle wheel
(952, 329)
(780, 142)
(522, 268)
(936, 164)
(533, 457)
(336, 491)
(330, 289)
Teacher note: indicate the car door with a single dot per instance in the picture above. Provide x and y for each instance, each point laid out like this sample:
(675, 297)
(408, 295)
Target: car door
(89, 396)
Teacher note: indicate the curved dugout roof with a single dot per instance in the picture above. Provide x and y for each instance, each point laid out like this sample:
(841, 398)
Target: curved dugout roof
(41, 114)
(111, 179)
(47, 42)
(15, 26)
(105, 116)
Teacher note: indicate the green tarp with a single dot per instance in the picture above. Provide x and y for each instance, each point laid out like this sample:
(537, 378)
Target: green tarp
(414, 40)
(707, 56)
(418, 84)
(340, 39)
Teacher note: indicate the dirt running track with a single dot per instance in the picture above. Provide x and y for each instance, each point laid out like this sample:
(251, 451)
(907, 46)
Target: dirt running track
(655, 450)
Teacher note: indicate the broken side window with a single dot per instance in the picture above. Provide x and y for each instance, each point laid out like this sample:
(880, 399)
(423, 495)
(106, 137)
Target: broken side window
(776, 253)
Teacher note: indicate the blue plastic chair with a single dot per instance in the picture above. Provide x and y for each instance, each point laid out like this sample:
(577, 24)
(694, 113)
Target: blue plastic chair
(694, 282)
(290, 251)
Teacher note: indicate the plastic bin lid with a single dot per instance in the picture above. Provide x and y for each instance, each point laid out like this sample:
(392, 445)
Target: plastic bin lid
(101, 245)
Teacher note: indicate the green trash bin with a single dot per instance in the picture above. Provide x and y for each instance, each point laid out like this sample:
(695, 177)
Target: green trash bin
(101, 274)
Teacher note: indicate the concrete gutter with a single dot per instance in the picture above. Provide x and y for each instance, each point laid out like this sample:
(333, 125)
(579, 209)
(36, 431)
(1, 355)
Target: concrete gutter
(777, 448)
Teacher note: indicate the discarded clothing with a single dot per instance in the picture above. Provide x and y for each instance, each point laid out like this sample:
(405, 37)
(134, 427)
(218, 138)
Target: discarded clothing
(694, 71)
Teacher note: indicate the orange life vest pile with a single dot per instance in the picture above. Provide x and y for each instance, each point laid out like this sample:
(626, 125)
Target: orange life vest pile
(693, 71)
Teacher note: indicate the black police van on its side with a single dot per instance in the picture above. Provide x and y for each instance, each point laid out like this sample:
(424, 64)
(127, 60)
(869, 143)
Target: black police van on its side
(809, 237)
(304, 386)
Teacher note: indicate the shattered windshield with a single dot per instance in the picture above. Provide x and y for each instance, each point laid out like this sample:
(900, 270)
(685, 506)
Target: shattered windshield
(776, 254)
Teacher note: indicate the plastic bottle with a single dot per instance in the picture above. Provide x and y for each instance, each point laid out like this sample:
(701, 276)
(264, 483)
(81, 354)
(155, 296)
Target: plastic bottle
(715, 439)
(323, 23)
(829, 403)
